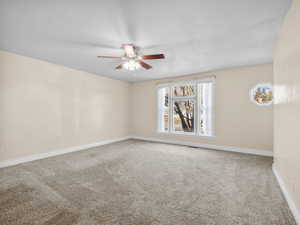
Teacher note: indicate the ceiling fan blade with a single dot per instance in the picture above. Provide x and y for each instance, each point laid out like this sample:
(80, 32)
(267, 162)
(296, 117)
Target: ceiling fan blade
(109, 57)
(156, 56)
(145, 65)
(119, 67)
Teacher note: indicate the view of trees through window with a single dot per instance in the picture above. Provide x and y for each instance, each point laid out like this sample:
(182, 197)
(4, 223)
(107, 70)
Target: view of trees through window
(184, 91)
(262, 94)
(184, 116)
(186, 108)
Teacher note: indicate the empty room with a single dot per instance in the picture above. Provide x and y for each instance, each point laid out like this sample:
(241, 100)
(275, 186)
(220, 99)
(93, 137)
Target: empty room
(149, 112)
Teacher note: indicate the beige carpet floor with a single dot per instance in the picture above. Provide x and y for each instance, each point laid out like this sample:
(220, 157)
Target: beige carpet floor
(143, 183)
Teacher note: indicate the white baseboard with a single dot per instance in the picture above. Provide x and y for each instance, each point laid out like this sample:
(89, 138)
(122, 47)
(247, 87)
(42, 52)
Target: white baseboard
(87, 146)
(58, 152)
(287, 196)
(209, 146)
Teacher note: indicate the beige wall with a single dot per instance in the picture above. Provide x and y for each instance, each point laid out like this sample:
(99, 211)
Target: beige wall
(239, 122)
(46, 107)
(287, 103)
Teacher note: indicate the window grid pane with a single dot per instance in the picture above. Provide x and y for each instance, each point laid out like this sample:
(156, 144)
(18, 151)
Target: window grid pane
(184, 116)
(205, 108)
(184, 90)
(163, 98)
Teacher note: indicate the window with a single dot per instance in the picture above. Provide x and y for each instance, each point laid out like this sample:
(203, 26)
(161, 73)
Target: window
(163, 111)
(186, 108)
(262, 94)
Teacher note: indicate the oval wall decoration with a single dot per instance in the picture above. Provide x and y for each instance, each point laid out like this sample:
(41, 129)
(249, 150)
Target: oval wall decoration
(262, 94)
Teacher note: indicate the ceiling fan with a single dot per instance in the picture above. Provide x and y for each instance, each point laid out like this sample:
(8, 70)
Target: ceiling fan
(132, 59)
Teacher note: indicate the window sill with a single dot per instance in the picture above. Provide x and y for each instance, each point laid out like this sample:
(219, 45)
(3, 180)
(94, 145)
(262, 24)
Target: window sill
(193, 135)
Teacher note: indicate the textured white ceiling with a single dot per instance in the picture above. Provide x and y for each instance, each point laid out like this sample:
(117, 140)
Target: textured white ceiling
(194, 35)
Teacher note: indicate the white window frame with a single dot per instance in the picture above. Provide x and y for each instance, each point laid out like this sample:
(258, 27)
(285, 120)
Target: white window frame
(195, 98)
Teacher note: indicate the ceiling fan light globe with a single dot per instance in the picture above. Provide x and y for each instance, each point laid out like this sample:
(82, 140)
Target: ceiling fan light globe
(132, 65)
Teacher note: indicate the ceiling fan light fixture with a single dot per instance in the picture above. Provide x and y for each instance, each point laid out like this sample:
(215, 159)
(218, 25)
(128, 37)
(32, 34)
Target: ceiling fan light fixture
(132, 60)
(131, 65)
